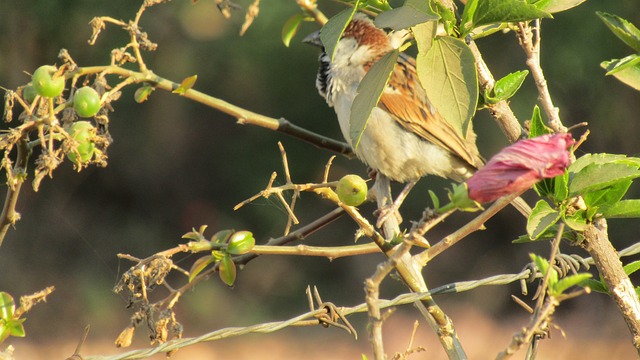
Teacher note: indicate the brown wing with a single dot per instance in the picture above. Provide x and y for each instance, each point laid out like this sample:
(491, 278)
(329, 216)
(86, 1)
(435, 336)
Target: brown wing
(406, 100)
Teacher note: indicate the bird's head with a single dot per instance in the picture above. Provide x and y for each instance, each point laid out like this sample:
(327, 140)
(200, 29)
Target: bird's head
(361, 42)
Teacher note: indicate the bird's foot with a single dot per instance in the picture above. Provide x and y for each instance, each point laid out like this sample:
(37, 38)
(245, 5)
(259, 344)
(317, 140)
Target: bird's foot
(392, 209)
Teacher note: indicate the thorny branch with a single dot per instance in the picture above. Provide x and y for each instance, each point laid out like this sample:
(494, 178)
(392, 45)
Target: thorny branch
(529, 38)
(42, 115)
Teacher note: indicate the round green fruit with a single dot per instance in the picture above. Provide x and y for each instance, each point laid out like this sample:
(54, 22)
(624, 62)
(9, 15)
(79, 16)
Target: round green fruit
(29, 94)
(45, 84)
(82, 131)
(352, 190)
(86, 102)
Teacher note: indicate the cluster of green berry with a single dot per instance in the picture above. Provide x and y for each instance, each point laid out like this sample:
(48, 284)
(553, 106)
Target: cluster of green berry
(45, 82)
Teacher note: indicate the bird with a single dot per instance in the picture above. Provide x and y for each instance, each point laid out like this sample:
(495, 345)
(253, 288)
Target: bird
(405, 138)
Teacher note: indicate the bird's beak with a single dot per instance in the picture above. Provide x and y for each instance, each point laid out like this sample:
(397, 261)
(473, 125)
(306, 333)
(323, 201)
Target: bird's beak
(313, 39)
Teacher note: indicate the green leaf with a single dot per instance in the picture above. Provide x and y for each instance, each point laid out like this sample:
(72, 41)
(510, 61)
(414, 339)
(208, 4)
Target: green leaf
(369, 93)
(599, 176)
(506, 87)
(542, 217)
(7, 306)
(466, 22)
(602, 158)
(595, 285)
(200, 265)
(411, 13)
(434, 200)
(142, 93)
(577, 221)
(290, 28)
(632, 267)
(554, 6)
(621, 209)
(543, 266)
(537, 126)
(16, 328)
(185, 85)
(629, 75)
(332, 31)
(569, 281)
(607, 196)
(425, 34)
(227, 270)
(449, 69)
(448, 18)
(501, 11)
(561, 187)
(623, 29)
(222, 236)
(628, 62)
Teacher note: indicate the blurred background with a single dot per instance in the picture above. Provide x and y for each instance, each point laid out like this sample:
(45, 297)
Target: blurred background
(175, 164)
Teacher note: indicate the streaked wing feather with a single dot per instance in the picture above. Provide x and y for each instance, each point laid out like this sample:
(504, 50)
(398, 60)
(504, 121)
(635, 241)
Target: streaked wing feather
(415, 113)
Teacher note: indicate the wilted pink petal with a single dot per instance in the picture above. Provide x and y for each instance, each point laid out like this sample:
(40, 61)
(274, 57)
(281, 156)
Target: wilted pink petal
(519, 166)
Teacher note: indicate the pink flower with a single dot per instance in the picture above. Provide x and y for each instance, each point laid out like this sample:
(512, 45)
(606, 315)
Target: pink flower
(519, 166)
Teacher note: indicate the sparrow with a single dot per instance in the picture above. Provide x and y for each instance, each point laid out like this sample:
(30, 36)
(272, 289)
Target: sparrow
(406, 138)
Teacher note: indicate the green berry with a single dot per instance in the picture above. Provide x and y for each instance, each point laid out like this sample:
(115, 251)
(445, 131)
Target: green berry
(44, 83)
(86, 102)
(352, 190)
(29, 94)
(82, 131)
(241, 242)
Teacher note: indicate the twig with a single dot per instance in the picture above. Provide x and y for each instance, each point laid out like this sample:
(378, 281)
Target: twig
(409, 271)
(331, 253)
(607, 261)
(473, 225)
(555, 244)
(244, 116)
(530, 43)
(500, 111)
(372, 290)
(312, 8)
(524, 336)
(9, 215)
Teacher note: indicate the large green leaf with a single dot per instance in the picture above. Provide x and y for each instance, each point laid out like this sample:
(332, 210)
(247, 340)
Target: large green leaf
(482, 12)
(554, 6)
(588, 159)
(369, 92)
(425, 35)
(623, 29)
(625, 70)
(449, 76)
(332, 31)
(411, 13)
(621, 209)
(607, 196)
(542, 217)
(599, 176)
